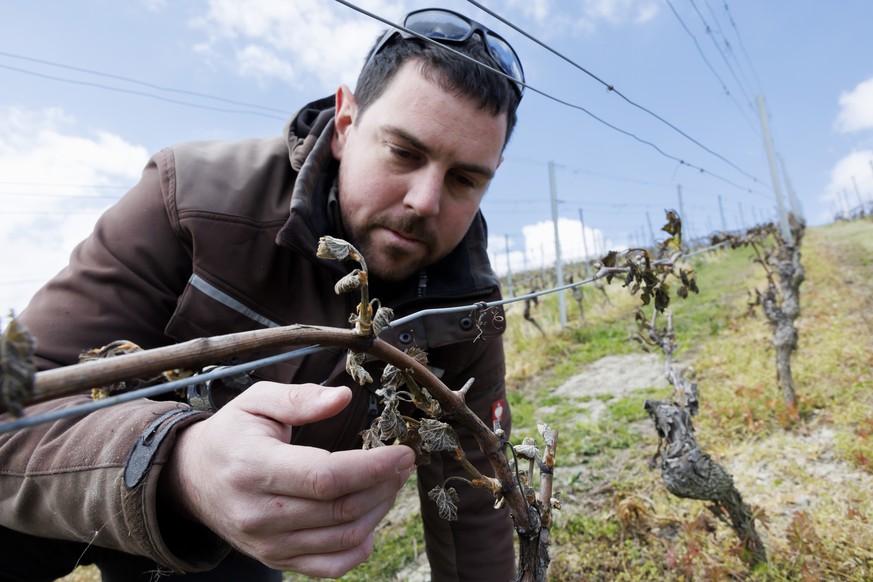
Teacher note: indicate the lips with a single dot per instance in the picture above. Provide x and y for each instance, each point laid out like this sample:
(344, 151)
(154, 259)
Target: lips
(402, 239)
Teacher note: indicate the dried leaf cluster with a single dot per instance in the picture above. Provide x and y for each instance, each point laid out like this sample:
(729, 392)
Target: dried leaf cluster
(649, 277)
(17, 371)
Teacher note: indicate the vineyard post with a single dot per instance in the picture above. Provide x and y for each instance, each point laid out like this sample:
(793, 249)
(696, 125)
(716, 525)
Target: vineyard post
(559, 267)
(651, 231)
(793, 200)
(686, 229)
(508, 268)
(585, 245)
(774, 174)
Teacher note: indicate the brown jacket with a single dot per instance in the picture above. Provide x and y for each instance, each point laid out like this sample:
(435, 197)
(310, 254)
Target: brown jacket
(204, 245)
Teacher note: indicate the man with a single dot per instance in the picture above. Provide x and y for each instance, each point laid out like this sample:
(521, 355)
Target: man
(204, 245)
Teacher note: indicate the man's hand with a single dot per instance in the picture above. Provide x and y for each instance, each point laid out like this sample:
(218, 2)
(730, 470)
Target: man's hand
(291, 507)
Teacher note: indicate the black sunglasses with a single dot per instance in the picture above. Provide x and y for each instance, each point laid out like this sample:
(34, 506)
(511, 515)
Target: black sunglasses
(445, 26)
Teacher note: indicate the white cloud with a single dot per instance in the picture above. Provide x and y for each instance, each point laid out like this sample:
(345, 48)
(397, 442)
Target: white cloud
(54, 186)
(538, 248)
(293, 41)
(856, 111)
(302, 41)
(261, 62)
(851, 182)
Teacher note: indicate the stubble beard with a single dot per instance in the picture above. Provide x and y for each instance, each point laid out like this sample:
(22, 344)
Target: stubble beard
(388, 262)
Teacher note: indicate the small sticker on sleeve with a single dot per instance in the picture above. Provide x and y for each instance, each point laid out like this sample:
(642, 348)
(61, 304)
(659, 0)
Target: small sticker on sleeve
(498, 412)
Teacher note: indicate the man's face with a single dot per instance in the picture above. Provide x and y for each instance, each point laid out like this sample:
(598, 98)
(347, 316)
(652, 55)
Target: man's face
(413, 170)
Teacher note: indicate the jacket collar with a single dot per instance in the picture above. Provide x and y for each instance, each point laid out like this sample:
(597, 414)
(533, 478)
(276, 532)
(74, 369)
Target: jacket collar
(464, 272)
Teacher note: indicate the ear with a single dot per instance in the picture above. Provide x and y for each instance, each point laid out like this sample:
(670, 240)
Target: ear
(346, 113)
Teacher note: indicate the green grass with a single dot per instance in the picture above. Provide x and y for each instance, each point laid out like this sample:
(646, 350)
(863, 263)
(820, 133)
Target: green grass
(804, 469)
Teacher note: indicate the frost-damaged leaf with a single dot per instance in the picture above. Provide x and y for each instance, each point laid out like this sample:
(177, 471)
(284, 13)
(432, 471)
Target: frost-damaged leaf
(348, 283)
(437, 436)
(17, 371)
(662, 297)
(383, 317)
(391, 424)
(371, 438)
(528, 452)
(392, 377)
(674, 228)
(123, 348)
(111, 350)
(336, 248)
(674, 223)
(417, 354)
(355, 368)
(446, 501)
(547, 433)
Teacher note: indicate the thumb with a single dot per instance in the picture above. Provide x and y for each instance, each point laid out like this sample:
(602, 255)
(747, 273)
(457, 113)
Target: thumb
(293, 404)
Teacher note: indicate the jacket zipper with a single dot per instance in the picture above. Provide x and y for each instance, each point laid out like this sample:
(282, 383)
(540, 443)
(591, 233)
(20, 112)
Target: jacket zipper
(422, 283)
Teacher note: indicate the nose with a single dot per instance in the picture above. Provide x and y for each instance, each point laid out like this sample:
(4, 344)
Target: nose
(424, 193)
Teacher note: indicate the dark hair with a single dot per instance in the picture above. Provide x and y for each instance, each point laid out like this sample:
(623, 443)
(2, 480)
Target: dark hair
(449, 71)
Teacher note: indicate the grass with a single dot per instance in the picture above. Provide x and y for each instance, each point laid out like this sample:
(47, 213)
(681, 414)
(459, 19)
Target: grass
(809, 474)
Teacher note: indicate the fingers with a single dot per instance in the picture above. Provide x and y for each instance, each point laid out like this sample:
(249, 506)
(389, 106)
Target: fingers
(283, 550)
(292, 507)
(307, 514)
(292, 404)
(317, 474)
(332, 565)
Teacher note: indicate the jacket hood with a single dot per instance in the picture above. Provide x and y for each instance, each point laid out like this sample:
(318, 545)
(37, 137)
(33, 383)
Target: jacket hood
(465, 271)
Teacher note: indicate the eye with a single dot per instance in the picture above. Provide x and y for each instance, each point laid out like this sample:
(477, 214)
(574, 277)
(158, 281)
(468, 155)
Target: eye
(401, 153)
(465, 181)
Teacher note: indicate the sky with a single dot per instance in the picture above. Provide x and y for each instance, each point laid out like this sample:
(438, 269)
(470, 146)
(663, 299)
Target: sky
(89, 89)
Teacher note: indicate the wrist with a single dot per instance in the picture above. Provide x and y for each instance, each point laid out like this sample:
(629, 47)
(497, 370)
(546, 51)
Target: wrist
(176, 489)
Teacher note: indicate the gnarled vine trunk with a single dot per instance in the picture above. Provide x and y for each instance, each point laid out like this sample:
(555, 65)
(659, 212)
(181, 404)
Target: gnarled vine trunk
(691, 473)
(783, 309)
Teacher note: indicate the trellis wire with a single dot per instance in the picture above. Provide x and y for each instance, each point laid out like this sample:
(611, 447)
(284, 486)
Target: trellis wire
(82, 409)
(150, 391)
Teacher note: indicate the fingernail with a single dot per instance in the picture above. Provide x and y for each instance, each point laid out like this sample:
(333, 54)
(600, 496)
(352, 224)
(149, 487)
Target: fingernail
(330, 392)
(407, 472)
(407, 463)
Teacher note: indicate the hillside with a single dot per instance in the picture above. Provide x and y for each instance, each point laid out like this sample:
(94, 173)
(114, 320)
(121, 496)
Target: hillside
(809, 475)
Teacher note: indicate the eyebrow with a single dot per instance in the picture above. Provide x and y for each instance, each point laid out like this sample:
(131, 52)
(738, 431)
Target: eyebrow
(485, 171)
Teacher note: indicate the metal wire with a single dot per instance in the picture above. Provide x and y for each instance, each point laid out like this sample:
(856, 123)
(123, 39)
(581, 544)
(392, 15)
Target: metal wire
(83, 409)
(600, 120)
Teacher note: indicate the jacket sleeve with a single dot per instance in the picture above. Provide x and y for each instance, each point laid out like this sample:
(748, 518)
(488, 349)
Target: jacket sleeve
(65, 479)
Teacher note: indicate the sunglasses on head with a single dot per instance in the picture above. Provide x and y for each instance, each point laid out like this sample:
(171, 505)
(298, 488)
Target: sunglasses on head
(448, 27)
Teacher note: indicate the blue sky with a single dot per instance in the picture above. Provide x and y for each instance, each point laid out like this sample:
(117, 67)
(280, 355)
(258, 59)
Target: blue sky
(90, 88)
